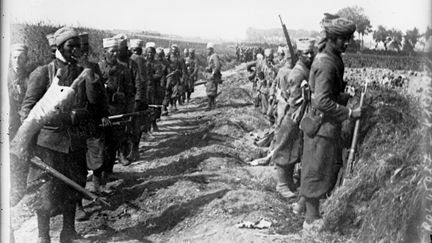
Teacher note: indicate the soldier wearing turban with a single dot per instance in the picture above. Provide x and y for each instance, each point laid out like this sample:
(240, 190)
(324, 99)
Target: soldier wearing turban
(322, 152)
(61, 143)
(17, 84)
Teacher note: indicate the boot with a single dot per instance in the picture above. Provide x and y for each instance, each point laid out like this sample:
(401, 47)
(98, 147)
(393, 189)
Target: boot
(81, 215)
(300, 206)
(155, 127)
(123, 160)
(283, 183)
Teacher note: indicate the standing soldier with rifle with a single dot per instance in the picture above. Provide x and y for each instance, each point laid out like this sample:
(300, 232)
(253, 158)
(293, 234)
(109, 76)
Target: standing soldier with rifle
(61, 143)
(214, 69)
(289, 138)
(120, 93)
(139, 102)
(322, 153)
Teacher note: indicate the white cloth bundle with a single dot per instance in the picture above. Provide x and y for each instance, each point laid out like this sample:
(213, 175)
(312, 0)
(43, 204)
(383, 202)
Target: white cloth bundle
(57, 98)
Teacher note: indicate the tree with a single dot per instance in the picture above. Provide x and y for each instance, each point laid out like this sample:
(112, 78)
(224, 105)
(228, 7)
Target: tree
(357, 15)
(394, 39)
(411, 38)
(380, 35)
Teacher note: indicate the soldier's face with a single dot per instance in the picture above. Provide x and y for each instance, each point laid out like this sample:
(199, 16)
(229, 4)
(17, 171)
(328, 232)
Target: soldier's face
(111, 54)
(71, 49)
(342, 43)
(150, 53)
(18, 59)
(307, 57)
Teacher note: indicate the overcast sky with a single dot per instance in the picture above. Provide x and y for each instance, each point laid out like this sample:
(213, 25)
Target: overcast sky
(226, 19)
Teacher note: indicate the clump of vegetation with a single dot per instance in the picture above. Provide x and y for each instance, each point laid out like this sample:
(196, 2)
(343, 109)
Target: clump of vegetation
(376, 203)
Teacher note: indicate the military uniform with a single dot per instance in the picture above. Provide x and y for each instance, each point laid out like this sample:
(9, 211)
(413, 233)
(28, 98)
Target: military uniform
(175, 72)
(155, 86)
(214, 68)
(192, 70)
(17, 86)
(61, 143)
(120, 93)
(289, 138)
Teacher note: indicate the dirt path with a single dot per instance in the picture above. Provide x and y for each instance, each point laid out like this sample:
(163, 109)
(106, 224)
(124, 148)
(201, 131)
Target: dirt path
(192, 183)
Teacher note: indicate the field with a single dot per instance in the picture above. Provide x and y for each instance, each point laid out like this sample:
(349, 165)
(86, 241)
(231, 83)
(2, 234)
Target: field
(194, 184)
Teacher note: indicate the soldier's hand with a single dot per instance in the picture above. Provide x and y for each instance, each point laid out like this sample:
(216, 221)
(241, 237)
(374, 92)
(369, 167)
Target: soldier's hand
(106, 122)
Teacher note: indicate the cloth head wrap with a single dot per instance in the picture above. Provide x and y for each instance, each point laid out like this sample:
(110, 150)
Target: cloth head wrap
(210, 45)
(305, 44)
(64, 34)
(122, 39)
(110, 42)
(338, 27)
(150, 45)
(136, 43)
(51, 40)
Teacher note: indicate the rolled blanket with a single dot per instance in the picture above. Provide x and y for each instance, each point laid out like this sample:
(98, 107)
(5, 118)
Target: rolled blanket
(57, 98)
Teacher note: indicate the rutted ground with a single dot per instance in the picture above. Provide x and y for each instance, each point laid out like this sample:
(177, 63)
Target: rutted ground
(192, 184)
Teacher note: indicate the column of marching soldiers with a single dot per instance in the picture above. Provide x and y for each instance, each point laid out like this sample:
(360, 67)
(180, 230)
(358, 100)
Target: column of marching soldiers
(127, 93)
(306, 101)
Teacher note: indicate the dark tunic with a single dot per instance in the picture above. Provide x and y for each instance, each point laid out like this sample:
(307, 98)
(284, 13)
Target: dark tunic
(121, 95)
(322, 154)
(175, 69)
(289, 138)
(214, 67)
(59, 143)
(17, 86)
(192, 71)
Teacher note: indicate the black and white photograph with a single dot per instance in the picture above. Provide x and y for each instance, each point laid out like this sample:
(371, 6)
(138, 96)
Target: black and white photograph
(216, 121)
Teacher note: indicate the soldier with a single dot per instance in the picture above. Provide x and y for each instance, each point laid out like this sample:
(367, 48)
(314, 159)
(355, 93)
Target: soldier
(214, 69)
(52, 45)
(191, 64)
(120, 93)
(270, 73)
(95, 144)
(139, 80)
(156, 83)
(186, 53)
(322, 152)
(142, 124)
(289, 138)
(17, 85)
(61, 143)
(175, 70)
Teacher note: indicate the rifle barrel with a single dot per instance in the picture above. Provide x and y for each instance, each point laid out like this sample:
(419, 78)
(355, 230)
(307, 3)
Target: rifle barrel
(66, 180)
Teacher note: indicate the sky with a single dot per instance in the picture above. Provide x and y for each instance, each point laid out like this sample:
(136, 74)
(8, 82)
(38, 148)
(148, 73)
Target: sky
(222, 19)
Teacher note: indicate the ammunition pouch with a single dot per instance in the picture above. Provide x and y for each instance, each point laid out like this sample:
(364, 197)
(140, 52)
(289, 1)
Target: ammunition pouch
(311, 122)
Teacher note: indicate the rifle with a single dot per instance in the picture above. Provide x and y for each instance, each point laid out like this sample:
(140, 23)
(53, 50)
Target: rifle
(350, 162)
(288, 40)
(68, 181)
